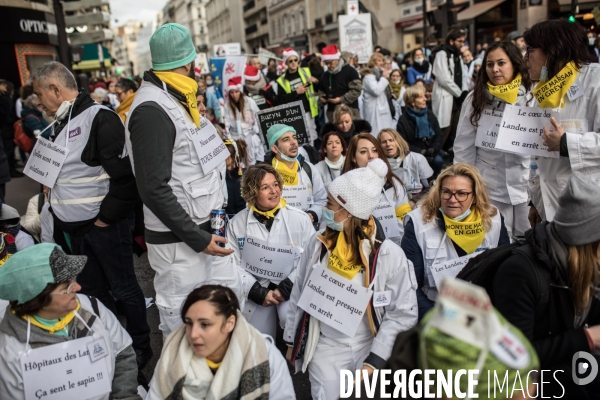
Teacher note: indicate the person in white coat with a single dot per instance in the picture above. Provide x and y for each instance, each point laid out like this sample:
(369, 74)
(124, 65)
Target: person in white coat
(393, 200)
(46, 310)
(454, 222)
(450, 85)
(504, 81)
(216, 354)
(557, 56)
(302, 184)
(240, 120)
(332, 155)
(412, 168)
(268, 222)
(354, 252)
(377, 95)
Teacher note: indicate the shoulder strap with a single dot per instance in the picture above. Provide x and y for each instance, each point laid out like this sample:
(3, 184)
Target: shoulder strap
(94, 302)
(308, 170)
(323, 252)
(41, 201)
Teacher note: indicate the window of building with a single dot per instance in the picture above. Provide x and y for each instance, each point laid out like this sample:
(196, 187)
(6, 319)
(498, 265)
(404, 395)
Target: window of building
(329, 7)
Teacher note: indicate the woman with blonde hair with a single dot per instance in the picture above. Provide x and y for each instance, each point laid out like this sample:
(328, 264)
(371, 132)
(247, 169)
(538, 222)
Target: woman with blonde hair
(420, 128)
(393, 201)
(344, 125)
(454, 221)
(412, 168)
(378, 108)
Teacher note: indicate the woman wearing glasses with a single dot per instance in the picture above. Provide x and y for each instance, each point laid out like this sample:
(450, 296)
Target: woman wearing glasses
(505, 81)
(46, 310)
(453, 221)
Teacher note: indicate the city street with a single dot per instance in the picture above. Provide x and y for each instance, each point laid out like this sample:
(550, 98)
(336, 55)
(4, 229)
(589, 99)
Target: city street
(18, 193)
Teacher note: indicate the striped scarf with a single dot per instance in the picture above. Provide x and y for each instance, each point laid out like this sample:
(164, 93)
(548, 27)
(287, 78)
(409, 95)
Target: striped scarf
(243, 374)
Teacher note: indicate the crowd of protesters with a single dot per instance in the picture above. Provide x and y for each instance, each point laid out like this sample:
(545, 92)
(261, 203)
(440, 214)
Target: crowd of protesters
(389, 187)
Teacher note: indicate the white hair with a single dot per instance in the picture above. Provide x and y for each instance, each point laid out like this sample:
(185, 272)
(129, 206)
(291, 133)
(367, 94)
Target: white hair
(56, 71)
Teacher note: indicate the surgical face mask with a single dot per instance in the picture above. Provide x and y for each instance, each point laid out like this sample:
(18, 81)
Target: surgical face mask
(396, 81)
(286, 158)
(544, 73)
(63, 110)
(591, 41)
(209, 82)
(329, 215)
(461, 216)
(419, 60)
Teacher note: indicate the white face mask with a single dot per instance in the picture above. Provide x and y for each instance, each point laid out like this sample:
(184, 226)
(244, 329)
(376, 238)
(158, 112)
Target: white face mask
(419, 60)
(395, 81)
(591, 41)
(63, 110)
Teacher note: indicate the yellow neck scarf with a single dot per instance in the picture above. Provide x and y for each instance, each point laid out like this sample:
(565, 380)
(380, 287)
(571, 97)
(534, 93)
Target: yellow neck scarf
(550, 94)
(290, 176)
(60, 325)
(270, 213)
(213, 365)
(468, 233)
(508, 92)
(402, 210)
(340, 260)
(125, 106)
(187, 87)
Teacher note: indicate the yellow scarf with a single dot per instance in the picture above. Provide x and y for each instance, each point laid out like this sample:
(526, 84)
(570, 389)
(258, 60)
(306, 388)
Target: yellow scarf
(396, 88)
(290, 176)
(187, 87)
(402, 210)
(125, 106)
(550, 94)
(213, 365)
(60, 325)
(270, 213)
(340, 260)
(468, 233)
(508, 92)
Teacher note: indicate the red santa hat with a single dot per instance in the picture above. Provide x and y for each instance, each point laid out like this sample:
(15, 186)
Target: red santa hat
(287, 53)
(252, 74)
(235, 83)
(330, 53)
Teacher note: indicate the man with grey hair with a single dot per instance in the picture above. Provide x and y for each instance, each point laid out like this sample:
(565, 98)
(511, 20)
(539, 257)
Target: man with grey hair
(94, 196)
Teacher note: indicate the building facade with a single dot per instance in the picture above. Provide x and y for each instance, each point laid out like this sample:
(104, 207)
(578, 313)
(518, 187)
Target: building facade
(124, 47)
(288, 24)
(256, 24)
(225, 23)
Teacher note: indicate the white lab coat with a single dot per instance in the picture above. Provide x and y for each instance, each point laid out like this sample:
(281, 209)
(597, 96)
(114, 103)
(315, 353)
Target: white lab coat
(376, 109)
(106, 325)
(246, 127)
(291, 225)
(505, 174)
(397, 198)
(413, 170)
(328, 174)
(580, 119)
(317, 195)
(444, 88)
(393, 272)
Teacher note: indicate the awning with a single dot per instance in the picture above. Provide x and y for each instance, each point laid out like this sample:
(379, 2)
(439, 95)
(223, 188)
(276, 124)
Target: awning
(89, 58)
(477, 9)
(565, 5)
(405, 24)
(416, 27)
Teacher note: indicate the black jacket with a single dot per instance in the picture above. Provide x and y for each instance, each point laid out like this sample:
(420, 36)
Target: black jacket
(7, 116)
(360, 126)
(104, 147)
(406, 128)
(337, 85)
(235, 201)
(550, 326)
(295, 81)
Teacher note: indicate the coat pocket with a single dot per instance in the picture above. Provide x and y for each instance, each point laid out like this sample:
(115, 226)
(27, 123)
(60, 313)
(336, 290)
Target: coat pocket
(202, 194)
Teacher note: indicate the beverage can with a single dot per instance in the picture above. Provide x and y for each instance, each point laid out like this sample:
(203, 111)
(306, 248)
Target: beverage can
(218, 223)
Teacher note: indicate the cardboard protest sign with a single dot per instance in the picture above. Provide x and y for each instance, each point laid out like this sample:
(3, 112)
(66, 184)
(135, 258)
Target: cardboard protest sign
(450, 268)
(45, 162)
(273, 261)
(487, 128)
(291, 114)
(522, 128)
(335, 300)
(208, 145)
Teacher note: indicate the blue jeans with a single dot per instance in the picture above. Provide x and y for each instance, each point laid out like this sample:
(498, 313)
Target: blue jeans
(436, 165)
(109, 273)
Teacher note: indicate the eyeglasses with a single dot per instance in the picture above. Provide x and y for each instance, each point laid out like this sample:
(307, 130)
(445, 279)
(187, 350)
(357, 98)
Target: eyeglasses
(68, 291)
(119, 94)
(446, 194)
(295, 60)
(528, 49)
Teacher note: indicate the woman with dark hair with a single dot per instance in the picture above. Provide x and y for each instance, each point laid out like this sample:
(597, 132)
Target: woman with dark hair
(504, 81)
(558, 57)
(45, 311)
(332, 156)
(394, 200)
(216, 354)
(344, 124)
(420, 69)
(236, 164)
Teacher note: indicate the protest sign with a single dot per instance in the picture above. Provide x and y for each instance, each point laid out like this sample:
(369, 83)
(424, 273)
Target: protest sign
(522, 128)
(356, 35)
(487, 128)
(227, 49)
(386, 214)
(264, 55)
(450, 268)
(335, 300)
(273, 261)
(222, 69)
(45, 162)
(201, 67)
(291, 114)
(64, 371)
(296, 196)
(210, 148)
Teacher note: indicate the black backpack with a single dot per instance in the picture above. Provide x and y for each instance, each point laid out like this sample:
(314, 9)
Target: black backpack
(481, 269)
